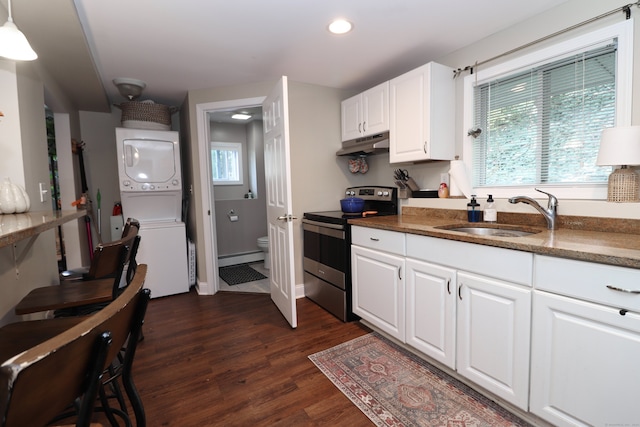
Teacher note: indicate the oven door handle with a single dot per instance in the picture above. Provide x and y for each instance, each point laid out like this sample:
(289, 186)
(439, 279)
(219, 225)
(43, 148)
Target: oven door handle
(323, 224)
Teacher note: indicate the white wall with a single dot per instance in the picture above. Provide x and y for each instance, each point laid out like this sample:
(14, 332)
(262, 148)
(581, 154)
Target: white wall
(100, 160)
(23, 148)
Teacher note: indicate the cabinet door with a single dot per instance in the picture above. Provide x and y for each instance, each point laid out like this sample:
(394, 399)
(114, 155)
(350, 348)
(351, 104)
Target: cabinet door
(431, 310)
(493, 331)
(375, 109)
(351, 118)
(407, 115)
(422, 114)
(584, 367)
(378, 289)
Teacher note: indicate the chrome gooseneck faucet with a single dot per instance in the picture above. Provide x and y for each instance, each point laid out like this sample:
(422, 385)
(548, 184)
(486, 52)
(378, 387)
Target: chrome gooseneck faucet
(549, 213)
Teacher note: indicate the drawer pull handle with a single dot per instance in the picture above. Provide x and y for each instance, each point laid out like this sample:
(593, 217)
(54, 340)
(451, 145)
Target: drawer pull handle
(375, 239)
(460, 290)
(400, 273)
(629, 291)
(449, 286)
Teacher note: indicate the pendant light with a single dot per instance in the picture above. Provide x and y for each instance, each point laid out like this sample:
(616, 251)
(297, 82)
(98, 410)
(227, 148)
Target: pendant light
(14, 44)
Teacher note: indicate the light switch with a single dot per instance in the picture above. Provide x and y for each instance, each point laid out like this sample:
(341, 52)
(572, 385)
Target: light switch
(43, 191)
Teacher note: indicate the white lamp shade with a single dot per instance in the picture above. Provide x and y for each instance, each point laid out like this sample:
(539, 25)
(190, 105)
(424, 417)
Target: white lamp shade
(619, 146)
(14, 44)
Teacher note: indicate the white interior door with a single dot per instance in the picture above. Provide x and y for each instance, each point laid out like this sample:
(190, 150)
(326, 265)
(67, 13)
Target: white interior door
(279, 207)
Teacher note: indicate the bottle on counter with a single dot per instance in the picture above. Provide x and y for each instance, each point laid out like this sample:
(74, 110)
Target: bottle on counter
(473, 210)
(443, 191)
(490, 212)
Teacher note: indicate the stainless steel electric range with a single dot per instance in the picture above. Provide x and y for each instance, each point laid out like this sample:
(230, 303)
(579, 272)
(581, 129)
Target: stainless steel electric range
(327, 249)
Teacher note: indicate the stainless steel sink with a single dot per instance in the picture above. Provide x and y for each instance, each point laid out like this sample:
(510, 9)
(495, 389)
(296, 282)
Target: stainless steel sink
(480, 230)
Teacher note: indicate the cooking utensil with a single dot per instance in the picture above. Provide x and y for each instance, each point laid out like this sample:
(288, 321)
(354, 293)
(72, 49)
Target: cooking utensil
(352, 205)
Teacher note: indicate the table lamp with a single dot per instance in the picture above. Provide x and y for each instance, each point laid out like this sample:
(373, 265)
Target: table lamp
(621, 146)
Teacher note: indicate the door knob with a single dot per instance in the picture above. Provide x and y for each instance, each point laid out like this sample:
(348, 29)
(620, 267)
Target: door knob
(287, 217)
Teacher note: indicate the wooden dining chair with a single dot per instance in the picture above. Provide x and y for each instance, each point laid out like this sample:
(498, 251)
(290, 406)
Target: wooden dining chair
(123, 318)
(114, 256)
(39, 383)
(99, 269)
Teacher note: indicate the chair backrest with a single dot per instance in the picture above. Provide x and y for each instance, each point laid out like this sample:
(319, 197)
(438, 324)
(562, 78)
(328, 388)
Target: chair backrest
(41, 382)
(107, 257)
(128, 225)
(131, 264)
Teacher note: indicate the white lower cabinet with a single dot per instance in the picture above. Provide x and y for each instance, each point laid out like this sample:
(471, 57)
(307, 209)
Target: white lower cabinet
(376, 276)
(493, 330)
(555, 337)
(477, 323)
(431, 310)
(585, 369)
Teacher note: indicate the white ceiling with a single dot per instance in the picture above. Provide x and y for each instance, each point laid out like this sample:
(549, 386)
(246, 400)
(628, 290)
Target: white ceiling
(177, 46)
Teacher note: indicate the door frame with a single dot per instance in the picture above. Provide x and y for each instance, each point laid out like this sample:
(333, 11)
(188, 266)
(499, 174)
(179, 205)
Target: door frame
(211, 286)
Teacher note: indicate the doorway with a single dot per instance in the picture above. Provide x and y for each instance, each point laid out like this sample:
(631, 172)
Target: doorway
(54, 186)
(222, 199)
(236, 145)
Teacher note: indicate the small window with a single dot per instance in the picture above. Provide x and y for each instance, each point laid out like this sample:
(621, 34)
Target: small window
(540, 116)
(226, 163)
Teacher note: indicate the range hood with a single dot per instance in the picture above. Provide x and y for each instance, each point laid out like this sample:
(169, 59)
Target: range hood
(373, 144)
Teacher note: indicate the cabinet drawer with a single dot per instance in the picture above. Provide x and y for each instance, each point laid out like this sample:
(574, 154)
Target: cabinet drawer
(382, 240)
(504, 264)
(588, 281)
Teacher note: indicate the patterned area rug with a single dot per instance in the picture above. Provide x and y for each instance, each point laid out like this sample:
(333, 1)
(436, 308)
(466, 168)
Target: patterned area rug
(393, 387)
(241, 273)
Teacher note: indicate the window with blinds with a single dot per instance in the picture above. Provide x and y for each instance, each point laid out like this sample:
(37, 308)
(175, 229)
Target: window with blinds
(543, 125)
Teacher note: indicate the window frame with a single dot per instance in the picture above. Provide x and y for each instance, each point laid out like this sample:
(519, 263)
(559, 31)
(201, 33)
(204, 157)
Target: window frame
(623, 31)
(228, 146)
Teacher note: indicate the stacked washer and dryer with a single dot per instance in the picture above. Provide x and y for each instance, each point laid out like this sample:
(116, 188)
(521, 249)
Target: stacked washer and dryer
(150, 179)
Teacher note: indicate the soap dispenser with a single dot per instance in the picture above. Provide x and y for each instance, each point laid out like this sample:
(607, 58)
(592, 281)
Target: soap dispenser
(473, 210)
(490, 212)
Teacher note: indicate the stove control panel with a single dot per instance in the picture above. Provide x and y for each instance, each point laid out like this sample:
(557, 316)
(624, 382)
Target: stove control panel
(383, 194)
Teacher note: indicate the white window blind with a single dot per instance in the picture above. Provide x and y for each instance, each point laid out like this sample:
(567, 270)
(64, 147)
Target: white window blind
(543, 125)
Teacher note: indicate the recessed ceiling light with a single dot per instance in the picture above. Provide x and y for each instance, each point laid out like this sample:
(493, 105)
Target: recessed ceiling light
(241, 116)
(340, 26)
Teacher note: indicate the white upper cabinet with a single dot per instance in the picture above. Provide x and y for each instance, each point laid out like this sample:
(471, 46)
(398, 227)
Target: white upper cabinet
(366, 113)
(422, 114)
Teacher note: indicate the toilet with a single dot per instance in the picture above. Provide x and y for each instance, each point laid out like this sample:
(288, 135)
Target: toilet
(263, 243)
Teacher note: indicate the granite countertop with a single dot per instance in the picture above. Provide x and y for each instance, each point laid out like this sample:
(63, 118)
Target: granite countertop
(15, 227)
(603, 240)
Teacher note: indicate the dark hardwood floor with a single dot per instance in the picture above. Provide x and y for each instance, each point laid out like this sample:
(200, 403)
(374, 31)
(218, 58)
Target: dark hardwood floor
(232, 360)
